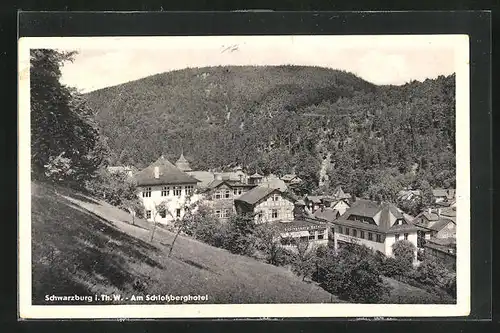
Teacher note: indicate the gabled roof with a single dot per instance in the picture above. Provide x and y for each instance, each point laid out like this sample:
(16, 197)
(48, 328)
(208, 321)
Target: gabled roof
(256, 175)
(259, 193)
(327, 214)
(274, 182)
(314, 198)
(363, 207)
(340, 194)
(439, 225)
(383, 215)
(230, 183)
(205, 177)
(168, 174)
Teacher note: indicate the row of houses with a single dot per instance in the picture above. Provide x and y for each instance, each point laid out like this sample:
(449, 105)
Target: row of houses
(339, 217)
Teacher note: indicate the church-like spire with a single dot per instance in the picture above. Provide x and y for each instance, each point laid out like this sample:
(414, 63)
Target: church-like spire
(182, 163)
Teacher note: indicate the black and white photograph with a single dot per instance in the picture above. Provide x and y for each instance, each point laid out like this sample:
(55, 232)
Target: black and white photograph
(244, 176)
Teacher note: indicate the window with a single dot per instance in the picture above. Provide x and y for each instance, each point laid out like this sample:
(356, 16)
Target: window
(396, 237)
(218, 213)
(340, 230)
(362, 234)
(370, 236)
(227, 194)
(165, 191)
(163, 213)
(178, 212)
(347, 231)
(217, 195)
(379, 238)
(321, 234)
(274, 214)
(225, 213)
(406, 236)
(177, 190)
(354, 232)
(304, 238)
(147, 192)
(189, 189)
(235, 191)
(148, 214)
(276, 197)
(312, 236)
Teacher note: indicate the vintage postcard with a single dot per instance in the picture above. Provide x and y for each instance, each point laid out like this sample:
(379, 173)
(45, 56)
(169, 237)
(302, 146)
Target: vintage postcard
(244, 176)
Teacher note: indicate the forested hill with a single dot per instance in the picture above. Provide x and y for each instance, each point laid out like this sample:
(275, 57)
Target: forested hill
(274, 117)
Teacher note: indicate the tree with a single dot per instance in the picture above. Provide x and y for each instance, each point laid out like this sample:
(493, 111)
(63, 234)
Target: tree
(240, 237)
(404, 251)
(65, 141)
(304, 259)
(268, 241)
(353, 273)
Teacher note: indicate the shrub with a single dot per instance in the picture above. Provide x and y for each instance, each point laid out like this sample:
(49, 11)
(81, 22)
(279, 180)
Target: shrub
(404, 251)
(393, 267)
(304, 260)
(239, 238)
(353, 273)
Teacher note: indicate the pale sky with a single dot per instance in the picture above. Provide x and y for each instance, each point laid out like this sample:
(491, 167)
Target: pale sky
(377, 59)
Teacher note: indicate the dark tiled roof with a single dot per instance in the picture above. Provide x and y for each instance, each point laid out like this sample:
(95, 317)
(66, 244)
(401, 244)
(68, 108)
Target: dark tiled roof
(314, 198)
(363, 208)
(256, 194)
(168, 174)
(381, 213)
(326, 214)
(439, 225)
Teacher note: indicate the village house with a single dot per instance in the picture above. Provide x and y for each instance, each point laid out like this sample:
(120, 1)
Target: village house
(163, 182)
(376, 225)
(409, 196)
(437, 236)
(220, 195)
(338, 201)
(437, 223)
(255, 179)
(443, 195)
(127, 170)
(270, 205)
(265, 204)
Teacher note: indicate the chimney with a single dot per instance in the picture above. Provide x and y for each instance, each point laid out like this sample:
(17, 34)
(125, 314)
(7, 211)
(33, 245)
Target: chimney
(157, 172)
(429, 210)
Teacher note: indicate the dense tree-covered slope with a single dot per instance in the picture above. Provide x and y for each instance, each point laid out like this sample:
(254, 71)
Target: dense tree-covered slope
(273, 118)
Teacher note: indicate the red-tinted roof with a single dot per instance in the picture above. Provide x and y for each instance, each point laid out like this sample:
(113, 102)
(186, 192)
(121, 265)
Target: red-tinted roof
(168, 174)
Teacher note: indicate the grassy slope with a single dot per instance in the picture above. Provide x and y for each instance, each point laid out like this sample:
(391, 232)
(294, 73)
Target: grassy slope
(85, 246)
